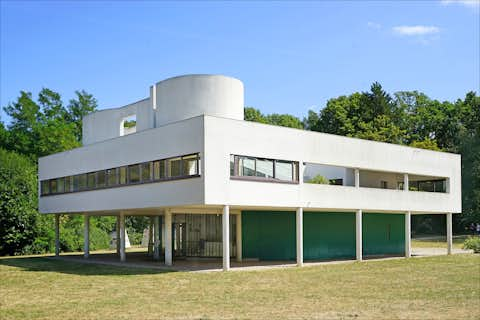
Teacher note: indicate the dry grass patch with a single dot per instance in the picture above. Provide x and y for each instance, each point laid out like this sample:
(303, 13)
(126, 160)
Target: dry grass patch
(445, 287)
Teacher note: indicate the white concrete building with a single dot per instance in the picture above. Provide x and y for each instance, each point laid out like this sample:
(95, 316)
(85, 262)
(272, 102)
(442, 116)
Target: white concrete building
(219, 186)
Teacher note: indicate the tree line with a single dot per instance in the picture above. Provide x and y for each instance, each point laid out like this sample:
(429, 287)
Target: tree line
(46, 125)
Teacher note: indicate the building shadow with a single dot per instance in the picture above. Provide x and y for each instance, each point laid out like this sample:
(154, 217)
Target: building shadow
(71, 264)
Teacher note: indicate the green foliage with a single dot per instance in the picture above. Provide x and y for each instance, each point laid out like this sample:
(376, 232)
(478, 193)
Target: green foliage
(44, 127)
(135, 226)
(18, 202)
(283, 120)
(319, 179)
(472, 243)
(129, 124)
(83, 104)
(72, 232)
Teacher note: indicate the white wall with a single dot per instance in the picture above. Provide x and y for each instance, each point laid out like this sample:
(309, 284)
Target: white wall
(170, 140)
(106, 124)
(224, 137)
(189, 96)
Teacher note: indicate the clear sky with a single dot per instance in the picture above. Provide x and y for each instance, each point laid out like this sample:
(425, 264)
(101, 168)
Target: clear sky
(291, 56)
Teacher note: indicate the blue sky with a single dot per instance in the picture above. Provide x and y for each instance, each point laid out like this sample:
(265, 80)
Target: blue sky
(291, 56)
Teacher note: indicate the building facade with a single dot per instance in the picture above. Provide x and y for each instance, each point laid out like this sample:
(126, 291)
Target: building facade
(218, 186)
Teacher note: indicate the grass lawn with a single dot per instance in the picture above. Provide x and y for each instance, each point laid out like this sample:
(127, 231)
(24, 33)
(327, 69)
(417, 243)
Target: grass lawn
(442, 287)
(438, 242)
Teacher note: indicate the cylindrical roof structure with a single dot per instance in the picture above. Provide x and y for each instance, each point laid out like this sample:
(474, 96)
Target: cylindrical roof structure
(189, 96)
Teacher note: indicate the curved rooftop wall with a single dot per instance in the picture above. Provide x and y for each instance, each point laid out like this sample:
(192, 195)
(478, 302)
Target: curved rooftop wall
(189, 96)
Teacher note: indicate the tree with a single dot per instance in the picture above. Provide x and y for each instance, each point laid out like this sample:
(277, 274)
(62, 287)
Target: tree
(18, 202)
(252, 114)
(78, 108)
(40, 129)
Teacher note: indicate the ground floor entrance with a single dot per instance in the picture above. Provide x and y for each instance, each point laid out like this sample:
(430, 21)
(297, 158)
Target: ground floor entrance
(200, 235)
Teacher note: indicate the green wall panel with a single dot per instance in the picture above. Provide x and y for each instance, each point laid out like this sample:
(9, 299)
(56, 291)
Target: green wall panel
(328, 235)
(268, 235)
(383, 234)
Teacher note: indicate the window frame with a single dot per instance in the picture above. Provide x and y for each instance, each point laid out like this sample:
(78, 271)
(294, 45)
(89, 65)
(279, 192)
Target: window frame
(75, 180)
(274, 179)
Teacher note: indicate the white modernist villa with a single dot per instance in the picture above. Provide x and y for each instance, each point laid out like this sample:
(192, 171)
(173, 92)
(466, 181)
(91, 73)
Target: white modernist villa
(218, 186)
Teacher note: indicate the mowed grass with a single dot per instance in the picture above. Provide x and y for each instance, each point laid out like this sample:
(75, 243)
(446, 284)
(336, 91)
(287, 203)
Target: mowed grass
(442, 287)
(438, 242)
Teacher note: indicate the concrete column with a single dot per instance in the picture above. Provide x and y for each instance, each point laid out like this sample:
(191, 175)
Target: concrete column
(239, 236)
(358, 233)
(226, 237)
(86, 237)
(299, 225)
(168, 237)
(57, 235)
(123, 256)
(156, 238)
(117, 245)
(449, 233)
(357, 178)
(408, 244)
(405, 182)
(150, 237)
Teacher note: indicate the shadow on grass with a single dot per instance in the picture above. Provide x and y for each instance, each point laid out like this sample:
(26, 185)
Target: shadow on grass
(50, 264)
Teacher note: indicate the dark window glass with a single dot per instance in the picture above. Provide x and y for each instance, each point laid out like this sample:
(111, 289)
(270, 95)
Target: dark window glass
(91, 180)
(425, 186)
(246, 166)
(111, 176)
(134, 173)
(101, 179)
(440, 186)
(190, 165)
(68, 184)
(264, 168)
(53, 185)
(122, 175)
(336, 182)
(232, 165)
(45, 187)
(174, 167)
(82, 181)
(146, 171)
(159, 170)
(60, 185)
(284, 170)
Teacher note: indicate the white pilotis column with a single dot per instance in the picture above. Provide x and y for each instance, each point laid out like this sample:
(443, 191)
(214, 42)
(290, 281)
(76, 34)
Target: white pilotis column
(123, 256)
(299, 225)
(405, 182)
(239, 236)
(226, 237)
(408, 244)
(156, 238)
(168, 237)
(118, 235)
(57, 235)
(150, 237)
(449, 233)
(357, 178)
(86, 237)
(358, 233)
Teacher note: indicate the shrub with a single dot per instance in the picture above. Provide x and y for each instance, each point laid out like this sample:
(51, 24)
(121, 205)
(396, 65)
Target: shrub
(472, 243)
(18, 202)
(319, 179)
